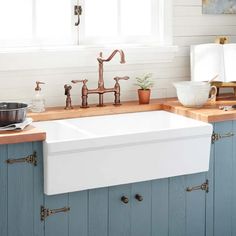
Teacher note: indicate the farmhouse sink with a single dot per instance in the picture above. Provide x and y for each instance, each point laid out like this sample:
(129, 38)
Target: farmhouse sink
(93, 152)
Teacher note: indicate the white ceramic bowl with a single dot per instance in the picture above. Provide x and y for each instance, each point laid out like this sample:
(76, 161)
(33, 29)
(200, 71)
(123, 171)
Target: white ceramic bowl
(194, 93)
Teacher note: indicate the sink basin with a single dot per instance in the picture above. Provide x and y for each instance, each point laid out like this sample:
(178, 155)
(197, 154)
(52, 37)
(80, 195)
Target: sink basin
(93, 152)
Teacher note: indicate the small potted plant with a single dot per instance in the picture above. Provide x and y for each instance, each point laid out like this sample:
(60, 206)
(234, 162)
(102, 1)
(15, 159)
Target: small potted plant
(145, 82)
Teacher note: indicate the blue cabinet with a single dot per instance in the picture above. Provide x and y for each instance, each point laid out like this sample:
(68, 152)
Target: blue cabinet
(21, 192)
(153, 208)
(221, 200)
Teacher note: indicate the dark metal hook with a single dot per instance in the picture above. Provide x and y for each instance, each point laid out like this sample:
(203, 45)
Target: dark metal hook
(77, 12)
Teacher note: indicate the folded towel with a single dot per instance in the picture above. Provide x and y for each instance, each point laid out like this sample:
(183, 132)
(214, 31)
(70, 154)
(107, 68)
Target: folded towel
(17, 126)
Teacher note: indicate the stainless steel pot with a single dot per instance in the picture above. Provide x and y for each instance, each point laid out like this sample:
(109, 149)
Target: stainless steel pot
(12, 112)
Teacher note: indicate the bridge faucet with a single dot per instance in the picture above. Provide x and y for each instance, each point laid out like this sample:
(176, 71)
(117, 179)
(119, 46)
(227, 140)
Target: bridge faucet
(100, 90)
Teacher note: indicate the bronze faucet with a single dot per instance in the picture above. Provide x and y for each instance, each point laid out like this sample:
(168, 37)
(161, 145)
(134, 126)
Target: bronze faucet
(100, 90)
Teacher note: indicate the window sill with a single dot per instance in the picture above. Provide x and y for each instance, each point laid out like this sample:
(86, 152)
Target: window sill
(80, 56)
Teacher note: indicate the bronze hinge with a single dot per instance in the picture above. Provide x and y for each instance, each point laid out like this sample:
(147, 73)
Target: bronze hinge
(45, 212)
(77, 12)
(216, 136)
(204, 187)
(31, 159)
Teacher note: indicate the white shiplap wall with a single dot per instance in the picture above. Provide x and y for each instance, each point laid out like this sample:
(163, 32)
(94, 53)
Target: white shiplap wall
(189, 27)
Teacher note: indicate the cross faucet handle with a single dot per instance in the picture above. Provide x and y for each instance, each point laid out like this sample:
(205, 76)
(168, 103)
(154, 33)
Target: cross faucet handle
(84, 81)
(121, 78)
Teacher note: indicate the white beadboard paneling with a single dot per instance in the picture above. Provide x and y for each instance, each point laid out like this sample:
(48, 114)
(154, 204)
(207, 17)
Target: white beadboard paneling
(200, 21)
(187, 2)
(187, 11)
(190, 27)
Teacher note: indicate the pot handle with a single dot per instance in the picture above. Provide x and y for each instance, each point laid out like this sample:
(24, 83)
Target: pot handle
(213, 92)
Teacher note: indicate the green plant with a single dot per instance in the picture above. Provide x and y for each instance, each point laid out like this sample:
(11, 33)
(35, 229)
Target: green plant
(145, 82)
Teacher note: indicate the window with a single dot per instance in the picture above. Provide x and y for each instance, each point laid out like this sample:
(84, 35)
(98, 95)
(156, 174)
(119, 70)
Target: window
(36, 22)
(52, 22)
(120, 21)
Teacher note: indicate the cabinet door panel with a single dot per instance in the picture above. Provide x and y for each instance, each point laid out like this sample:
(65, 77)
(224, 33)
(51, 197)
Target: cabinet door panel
(160, 207)
(195, 206)
(119, 212)
(3, 190)
(20, 192)
(210, 196)
(98, 212)
(78, 215)
(234, 181)
(177, 213)
(141, 211)
(57, 224)
(223, 181)
(38, 189)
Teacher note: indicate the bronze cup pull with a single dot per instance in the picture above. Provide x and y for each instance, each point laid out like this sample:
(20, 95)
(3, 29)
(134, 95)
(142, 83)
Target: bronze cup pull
(124, 199)
(139, 197)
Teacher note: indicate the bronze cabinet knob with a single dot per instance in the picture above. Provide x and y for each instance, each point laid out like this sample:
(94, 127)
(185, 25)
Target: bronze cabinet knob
(124, 199)
(138, 197)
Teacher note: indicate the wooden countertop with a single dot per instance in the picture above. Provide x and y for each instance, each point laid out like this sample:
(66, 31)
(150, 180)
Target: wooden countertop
(29, 134)
(209, 113)
(56, 113)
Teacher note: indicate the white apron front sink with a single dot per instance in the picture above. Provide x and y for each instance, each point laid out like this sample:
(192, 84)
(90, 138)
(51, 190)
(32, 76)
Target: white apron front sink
(93, 152)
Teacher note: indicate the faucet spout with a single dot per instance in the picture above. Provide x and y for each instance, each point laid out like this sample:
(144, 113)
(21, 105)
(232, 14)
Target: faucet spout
(122, 56)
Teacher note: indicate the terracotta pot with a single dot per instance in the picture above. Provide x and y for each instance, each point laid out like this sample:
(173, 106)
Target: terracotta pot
(144, 96)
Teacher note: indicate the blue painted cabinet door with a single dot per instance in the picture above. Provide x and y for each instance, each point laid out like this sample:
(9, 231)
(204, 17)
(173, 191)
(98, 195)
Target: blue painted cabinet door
(3, 191)
(21, 191)
(71, 223)
(141, 210)
(134, 217)
(160, 203)
(224, 180)
(186, 210)
(210, 196)
(120, 212)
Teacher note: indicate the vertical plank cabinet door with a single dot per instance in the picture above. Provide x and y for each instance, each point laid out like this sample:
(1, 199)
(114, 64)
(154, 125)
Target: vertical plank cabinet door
(38, 189)
(98, 212)
(223, 181)
(177, 200)
(57, 224)
(160, 207)
(3, 190)
(23, 183)
(78, 214)
(187, 209)
(141, 209)
(210, 195)
(120, 210)
(234, 182)
(195, 206)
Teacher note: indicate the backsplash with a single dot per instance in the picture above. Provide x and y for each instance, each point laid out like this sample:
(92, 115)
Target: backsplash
(189, 27)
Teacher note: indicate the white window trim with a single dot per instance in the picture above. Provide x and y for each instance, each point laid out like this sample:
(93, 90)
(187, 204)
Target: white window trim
(78, 56)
